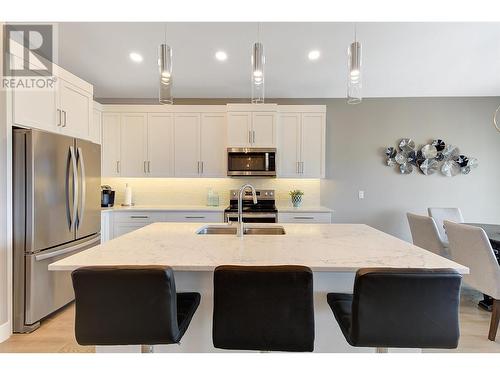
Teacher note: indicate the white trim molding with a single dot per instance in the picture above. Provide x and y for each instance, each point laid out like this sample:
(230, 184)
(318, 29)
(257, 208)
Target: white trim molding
(5, 331)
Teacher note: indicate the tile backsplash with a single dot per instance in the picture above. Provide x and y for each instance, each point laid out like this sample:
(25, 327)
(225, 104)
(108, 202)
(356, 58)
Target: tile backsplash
(193, 191)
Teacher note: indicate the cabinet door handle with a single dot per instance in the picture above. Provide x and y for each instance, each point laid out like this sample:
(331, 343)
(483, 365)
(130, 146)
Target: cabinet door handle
(249, 136)
(194, 217)
(297, 167)
(139, 217)
(198, 167)
(64, 117)
(302, 167)
(304, 217)
(58, 117)
(201, 167)
(118, 166)
(253, 136)
(149, 166)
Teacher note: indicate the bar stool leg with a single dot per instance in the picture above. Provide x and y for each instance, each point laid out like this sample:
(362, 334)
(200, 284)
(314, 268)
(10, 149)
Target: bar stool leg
(381, 350)
(147, 349)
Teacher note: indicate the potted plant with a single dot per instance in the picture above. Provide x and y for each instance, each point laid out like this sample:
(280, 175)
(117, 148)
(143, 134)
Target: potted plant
(296, 196)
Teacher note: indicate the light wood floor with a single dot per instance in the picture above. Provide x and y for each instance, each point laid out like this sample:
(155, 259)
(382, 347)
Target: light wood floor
(56, 334)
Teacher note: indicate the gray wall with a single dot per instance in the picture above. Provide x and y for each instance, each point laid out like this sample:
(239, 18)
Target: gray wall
(356, 136)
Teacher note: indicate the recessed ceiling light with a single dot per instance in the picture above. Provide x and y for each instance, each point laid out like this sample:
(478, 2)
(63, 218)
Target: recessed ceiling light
(135, 57)
(221, 55)
(314, 55)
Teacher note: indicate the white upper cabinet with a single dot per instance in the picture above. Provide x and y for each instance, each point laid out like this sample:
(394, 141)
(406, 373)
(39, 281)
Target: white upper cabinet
(66, 108)
(263, 129)
(213, 145)
(289, 144)
(35, 109)
(239, 127)
(110, 150)
(251, 125)
(301, 145)
(133, 154)
(160, 162)
(96, 124)
(312, 148)
(75, 110)
(187, 145)
(191, 141)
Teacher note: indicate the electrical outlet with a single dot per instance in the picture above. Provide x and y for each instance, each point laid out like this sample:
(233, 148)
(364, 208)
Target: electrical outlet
(361, 194)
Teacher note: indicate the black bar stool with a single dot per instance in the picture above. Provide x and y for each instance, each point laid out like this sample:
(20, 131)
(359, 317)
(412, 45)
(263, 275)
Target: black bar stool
(400, 308)
(130, 306)
(266, 308)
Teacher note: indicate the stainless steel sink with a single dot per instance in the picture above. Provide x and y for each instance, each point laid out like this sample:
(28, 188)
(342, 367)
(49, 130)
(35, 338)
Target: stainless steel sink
(264, 230)
(212, 229)
(251, 230)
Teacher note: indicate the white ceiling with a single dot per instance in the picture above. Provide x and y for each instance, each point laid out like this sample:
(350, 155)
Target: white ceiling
(399, 59)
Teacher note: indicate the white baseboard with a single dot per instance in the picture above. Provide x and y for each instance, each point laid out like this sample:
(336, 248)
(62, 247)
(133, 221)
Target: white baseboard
(5, 331)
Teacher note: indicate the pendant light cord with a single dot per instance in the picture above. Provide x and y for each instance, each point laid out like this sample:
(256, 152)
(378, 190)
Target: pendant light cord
(497, 126)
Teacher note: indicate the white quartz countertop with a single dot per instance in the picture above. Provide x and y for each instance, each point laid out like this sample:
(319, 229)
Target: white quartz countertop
(193, 208)
(280, 207)
(322, 247)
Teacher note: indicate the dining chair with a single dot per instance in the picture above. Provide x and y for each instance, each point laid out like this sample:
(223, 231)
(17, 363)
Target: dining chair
(440, 214)
(425, 234)
(470, 246)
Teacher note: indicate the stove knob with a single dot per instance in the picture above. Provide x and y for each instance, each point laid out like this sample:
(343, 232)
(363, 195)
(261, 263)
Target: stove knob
(265, 193)
(271, 193)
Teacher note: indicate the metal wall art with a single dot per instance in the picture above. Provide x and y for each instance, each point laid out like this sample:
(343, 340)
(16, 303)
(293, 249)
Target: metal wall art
(429, 159)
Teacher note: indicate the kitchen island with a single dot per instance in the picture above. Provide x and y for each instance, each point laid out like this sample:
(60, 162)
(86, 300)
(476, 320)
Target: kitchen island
(333, 251)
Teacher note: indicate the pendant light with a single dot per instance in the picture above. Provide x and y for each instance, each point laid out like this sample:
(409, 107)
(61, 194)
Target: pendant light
(354, 72)
(258, 63)
(165, 66)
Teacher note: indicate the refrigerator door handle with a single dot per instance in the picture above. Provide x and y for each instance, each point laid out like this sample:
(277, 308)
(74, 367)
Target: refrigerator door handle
(73, 213)
(71, 249)
(81, 210)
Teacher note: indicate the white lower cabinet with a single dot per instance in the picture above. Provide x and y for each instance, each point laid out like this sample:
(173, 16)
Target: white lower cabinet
(305, 217)
(116, 224)
(196, 217)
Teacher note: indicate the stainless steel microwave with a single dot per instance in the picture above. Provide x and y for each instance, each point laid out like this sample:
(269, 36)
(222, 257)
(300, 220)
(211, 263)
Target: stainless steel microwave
(251, 162)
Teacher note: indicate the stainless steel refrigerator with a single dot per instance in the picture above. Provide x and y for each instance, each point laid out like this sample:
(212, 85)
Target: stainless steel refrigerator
(56, 209)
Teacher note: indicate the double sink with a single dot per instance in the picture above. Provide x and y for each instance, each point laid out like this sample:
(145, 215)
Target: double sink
(248, 230)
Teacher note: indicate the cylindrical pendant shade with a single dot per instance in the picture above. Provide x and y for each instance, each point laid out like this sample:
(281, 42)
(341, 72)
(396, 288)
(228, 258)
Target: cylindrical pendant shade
(165, 66)
(258, 62)
(354, 73)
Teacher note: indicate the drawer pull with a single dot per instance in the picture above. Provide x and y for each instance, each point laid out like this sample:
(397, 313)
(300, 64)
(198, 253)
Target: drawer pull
(139, 217)
(304, 217)
(194, 217)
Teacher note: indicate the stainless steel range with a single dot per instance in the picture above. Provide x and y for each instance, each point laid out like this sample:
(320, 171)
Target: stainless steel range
(263, 212)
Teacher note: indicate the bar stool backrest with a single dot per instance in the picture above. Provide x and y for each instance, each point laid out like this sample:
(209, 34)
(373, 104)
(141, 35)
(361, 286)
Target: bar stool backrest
(266, 308)
(406, 308)
(125, 305)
